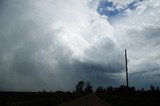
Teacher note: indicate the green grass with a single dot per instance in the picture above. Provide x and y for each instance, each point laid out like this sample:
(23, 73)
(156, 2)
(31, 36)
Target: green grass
(129, 99)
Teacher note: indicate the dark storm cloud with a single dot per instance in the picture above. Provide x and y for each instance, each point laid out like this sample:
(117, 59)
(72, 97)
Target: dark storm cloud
(104, 65)
(144, 79)
(33, 56)
(22, 41)
(96, 68)
(48, 45)
(98, 74)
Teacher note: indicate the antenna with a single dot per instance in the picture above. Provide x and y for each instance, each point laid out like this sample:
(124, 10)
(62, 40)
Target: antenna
(126, 67)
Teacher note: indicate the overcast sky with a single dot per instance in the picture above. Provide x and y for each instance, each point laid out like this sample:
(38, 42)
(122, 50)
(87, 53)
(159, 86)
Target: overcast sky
(53, 44)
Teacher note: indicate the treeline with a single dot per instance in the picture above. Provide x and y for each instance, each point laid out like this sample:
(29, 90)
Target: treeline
(129, 96)
(86, 87)
(123, 88)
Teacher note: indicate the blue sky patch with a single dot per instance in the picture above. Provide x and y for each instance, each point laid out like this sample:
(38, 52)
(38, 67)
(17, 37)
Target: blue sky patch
(110, 10)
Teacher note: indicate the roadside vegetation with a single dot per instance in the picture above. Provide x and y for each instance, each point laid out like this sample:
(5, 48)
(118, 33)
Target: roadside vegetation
(36, 98)
(115, 96)
(123, 96)
(44, 98)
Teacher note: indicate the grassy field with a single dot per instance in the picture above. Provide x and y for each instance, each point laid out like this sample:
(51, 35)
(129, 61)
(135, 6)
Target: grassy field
(130, 99)
(35, 98)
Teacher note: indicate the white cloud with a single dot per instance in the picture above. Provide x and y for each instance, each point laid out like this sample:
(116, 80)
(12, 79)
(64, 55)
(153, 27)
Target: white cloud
(52, 44)
(122, 2)
(139, 33)
(41, 40)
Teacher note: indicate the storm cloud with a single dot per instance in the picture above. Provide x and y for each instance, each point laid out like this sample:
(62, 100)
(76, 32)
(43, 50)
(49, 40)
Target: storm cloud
(50, 44)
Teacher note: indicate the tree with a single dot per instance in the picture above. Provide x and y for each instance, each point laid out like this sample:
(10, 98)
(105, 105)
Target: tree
(142, 89)
(132, 88)
(152, 87)
(100, 90)
(110, 89)
(88, 88)
(157, 88)
(80, 87)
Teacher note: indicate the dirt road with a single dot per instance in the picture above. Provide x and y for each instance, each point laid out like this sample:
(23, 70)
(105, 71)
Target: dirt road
(89, 100)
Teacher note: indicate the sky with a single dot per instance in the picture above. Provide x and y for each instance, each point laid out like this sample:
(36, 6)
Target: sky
(52, 44)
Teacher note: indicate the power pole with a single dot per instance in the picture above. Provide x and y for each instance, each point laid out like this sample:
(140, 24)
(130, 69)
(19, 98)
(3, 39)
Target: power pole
(126, 67)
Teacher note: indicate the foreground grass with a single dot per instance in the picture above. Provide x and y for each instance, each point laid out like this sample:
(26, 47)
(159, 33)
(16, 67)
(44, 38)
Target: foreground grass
(130, 99)
(35, 98)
